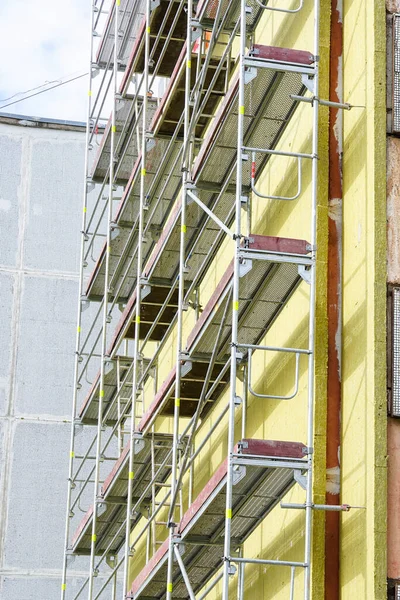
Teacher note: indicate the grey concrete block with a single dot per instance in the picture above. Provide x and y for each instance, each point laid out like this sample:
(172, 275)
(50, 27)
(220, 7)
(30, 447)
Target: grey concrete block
(7, 300)
(35, 527)
(10, 182)
(54, 219)
(46, 346)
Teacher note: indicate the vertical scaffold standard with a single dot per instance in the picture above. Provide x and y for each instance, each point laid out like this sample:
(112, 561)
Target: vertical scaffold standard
(178, 294)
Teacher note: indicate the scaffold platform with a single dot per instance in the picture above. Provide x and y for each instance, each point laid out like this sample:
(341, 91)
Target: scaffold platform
(111, 517)
(264, 477)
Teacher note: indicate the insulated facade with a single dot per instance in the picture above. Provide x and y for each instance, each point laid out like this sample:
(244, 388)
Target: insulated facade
(212, 233)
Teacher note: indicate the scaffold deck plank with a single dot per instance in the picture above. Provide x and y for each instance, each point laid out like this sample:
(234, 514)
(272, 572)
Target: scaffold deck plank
(131, 13)
(256, 491)
(229, 13)
(160, 25)
(265, 287)
(123, 168)
(110, 530)
(122, 259)
(268, 109)
(173, 102)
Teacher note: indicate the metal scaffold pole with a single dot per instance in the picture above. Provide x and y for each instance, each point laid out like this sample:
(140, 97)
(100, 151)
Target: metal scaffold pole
(139, 287)
(106, 317)
(311, 338)
(227, 567)
(181, 295)
(79, 311)
(189, 164)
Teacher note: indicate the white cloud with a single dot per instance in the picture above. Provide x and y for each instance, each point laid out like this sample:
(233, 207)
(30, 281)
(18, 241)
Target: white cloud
(43, 41)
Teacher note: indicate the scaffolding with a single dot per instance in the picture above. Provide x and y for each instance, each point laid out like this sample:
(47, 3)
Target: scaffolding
(175, 176)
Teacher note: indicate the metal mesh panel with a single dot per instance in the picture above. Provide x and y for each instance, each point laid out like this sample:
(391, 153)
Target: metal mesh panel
(396, 74)
(253, 497)
(395, 405)
(131, 13)
(268, 108)
(128, 145)
(113, 515)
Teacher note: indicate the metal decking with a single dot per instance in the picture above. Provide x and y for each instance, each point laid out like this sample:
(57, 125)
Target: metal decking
(270, 276)
(276, 74)
(266, 475)
(111, 517)
(167, 18)
(127, 146)
(131, 13)
(123, 265)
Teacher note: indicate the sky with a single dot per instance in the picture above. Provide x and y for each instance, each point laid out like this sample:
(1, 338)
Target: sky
(45, 41)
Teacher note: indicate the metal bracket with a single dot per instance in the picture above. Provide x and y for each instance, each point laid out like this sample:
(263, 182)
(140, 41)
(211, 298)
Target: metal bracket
(154, 4)
(145, 290)
(150, 143)
(115, 230)
(238, 401)
(108, 366)
(250, 73)
(300, 478)
(308, 82)
(186, 367)
(232, 570)
(245, 266)
(239, 471)
(90, 185)
(85, 303)
(196, 33)
(111, 561)
(138, 446)
(305, 273)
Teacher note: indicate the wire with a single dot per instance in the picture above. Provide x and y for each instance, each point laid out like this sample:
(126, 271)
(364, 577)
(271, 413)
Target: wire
(43, 91)
(46, 83)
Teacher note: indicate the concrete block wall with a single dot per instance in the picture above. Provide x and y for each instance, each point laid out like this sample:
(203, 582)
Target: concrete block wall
(41, 174)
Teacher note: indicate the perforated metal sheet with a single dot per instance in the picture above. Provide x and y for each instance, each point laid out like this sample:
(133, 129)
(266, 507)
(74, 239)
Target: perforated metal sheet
(263, 291)
(255, 494)
(114, 491)
(128, 144)
(131, 13)
(396, 73)
(159, 205)
(395, 352)
(268, 109)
